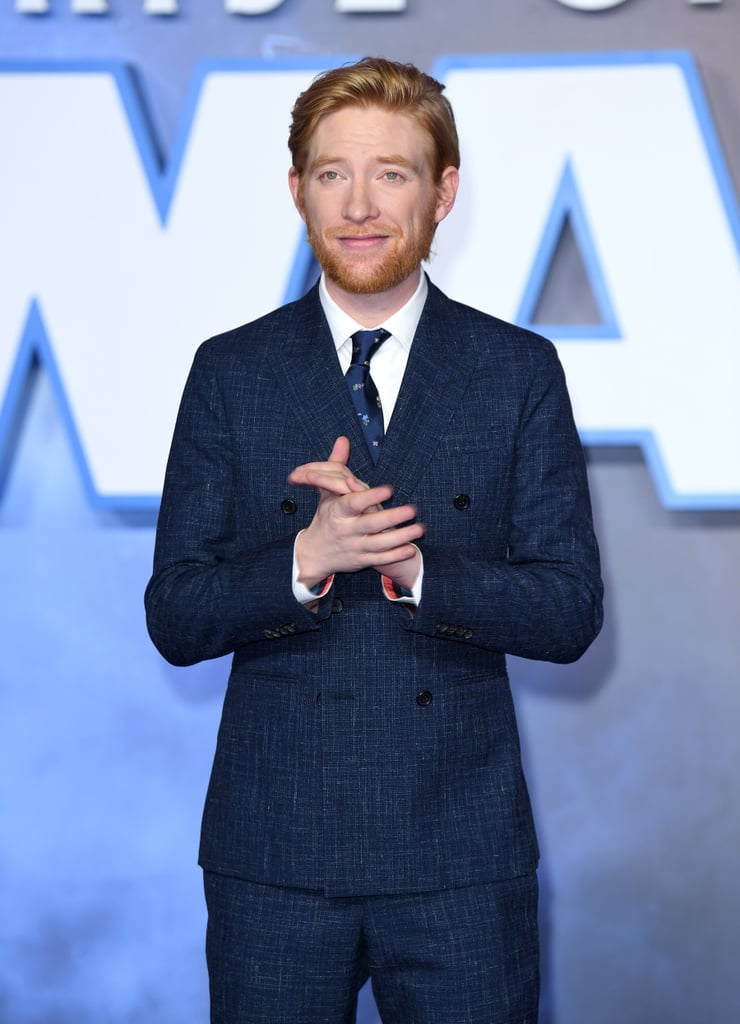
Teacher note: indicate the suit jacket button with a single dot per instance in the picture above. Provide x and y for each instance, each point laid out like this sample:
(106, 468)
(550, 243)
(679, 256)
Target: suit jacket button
(460, 631)
(288, 507)
(461, 502)
(467, 634)
(424, 698)
(336, 606)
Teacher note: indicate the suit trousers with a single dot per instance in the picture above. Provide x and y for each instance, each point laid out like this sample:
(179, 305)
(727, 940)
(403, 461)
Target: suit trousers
(290, 956)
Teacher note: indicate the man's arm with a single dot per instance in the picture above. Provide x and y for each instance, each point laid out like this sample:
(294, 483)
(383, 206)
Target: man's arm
(542, 598)
(208, 595)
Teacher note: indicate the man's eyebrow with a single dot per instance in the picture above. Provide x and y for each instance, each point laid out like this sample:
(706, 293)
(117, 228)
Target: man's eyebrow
(322, 159)
(393, 158)
(401, 161)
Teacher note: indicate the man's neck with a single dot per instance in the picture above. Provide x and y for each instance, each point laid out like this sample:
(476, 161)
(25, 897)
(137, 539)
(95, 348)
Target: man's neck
(370, 310)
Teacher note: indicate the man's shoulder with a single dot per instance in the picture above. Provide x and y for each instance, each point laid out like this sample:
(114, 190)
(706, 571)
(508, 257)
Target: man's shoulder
(474, 326)
(273, 328)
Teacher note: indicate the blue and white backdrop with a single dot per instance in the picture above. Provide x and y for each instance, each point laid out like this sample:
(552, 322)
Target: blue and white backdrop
(144, 206)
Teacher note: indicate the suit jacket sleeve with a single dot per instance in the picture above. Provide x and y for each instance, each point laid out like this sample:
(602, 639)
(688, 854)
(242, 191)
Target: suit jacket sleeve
(539, 593)
(209, 594)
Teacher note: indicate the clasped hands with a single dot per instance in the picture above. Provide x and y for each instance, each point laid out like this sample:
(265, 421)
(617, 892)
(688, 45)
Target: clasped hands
(350, 529)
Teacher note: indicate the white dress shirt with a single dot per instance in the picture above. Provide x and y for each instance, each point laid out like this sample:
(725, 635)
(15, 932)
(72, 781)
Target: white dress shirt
(389, 362)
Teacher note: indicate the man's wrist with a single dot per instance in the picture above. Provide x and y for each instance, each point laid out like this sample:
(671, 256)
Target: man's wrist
(307, 590)
(303, 572)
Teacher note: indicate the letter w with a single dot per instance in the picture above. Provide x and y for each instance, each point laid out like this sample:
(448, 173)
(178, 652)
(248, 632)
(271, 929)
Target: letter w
(114, 269)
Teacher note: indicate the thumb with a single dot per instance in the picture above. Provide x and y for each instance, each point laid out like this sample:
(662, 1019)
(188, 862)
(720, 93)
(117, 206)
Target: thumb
(340, 451)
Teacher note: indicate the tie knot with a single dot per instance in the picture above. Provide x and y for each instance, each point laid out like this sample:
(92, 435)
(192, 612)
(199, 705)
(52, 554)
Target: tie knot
(365, 344)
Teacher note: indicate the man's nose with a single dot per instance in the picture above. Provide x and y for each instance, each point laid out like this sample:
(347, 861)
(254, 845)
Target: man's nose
(359, 204)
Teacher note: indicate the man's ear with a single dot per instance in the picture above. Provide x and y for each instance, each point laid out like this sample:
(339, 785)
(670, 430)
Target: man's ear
(294, 184)
(446, 192)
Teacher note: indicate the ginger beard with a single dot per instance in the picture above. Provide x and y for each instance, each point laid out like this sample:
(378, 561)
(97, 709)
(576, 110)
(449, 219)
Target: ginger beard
(369, 273)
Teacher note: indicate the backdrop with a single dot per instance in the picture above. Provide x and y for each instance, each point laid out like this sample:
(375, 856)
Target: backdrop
(144, 206)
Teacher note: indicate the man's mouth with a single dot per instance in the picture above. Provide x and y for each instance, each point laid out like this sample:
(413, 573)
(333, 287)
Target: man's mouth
(362, 242)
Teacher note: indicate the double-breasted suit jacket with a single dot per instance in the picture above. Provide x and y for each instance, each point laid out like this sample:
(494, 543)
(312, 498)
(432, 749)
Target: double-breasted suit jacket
(363, 749)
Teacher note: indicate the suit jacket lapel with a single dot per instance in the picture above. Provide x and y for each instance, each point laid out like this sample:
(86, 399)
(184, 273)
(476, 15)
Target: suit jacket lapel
(317, 391)
(434, 385)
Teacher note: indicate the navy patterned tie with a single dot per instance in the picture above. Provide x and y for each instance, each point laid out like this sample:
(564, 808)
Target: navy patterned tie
(362, 389)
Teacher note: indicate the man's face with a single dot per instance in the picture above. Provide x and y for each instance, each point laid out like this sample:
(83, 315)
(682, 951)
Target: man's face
(368, 198)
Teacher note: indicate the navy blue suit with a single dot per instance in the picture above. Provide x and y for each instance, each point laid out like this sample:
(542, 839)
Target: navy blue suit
(362, 750)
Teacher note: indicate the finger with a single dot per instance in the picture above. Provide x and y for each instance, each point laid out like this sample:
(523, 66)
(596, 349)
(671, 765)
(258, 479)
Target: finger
(338, 456)
(356, 485)
(403, 554)
(331, 481)
(357, 503)
(378, 550)
(390, 542)
(314, 474)
(333, 470)
(298, 475)
(340, 451)
(378, 520)
(372, 544)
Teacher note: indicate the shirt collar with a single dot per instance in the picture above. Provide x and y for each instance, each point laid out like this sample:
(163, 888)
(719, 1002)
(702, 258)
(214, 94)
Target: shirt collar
(402, 324)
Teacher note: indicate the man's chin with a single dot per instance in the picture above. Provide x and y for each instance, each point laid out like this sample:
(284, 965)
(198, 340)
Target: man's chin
(370, 278)
(359, 284)
(371, 273)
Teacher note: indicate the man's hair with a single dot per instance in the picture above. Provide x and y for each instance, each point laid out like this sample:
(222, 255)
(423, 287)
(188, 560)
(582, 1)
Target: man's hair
(377, 82)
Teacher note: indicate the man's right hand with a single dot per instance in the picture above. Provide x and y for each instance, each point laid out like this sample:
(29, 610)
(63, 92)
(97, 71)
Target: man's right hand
(350, 529)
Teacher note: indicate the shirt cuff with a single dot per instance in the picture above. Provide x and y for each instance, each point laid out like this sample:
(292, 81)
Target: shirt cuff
(402, 595)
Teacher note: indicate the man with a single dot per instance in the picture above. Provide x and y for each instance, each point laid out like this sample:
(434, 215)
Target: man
(369, 547)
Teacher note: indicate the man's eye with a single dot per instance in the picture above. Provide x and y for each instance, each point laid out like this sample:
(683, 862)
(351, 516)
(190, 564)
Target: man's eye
(392, 175)
(329, 175)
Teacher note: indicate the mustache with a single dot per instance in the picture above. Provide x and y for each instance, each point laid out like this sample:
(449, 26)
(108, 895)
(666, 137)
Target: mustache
(334, 233)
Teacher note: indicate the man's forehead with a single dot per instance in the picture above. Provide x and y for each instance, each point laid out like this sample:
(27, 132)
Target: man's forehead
(394, 135)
